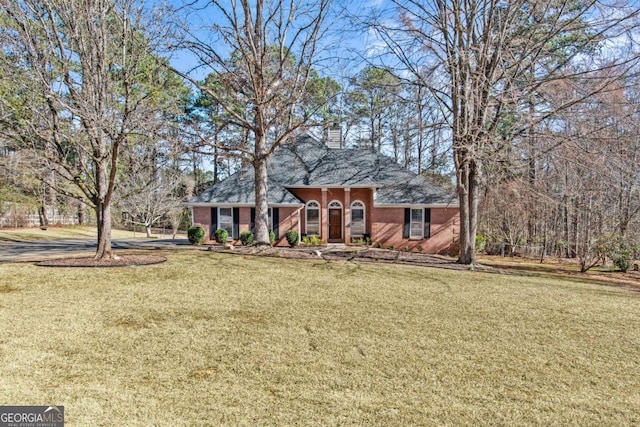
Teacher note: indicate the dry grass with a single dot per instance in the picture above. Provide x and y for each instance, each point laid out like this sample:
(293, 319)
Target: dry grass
(66, 232)
(212, 339)
(563, 269)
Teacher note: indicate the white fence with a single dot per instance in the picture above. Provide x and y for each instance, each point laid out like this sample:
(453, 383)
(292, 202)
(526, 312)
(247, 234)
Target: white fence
(15, 216)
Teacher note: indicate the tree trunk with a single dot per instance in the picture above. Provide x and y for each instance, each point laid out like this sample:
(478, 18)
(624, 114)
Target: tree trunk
(42, 215)
(42, 209)
(81, 211)
(102, 205)
(467, 180)
(147, 228)
(261, 236)
(103, 215)
(420, 130)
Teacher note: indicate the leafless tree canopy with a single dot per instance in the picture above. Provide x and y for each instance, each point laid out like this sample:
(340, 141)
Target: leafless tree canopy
(90, 85)
(491, 63)
(534, 102)
(576, 192)
(261, 56)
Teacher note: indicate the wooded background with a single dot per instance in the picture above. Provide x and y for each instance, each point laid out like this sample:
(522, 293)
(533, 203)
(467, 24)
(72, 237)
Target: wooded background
(528, 110)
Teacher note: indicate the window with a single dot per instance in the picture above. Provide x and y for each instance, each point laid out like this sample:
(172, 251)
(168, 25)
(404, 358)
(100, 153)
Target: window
(225, 220)
(313, 218)
(417, 223)
(416, 229)
(358, 226)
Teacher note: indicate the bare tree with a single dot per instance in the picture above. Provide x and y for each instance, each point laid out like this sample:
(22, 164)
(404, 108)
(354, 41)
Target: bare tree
(585, 198)
(489, 59)
(262, 52)
(148, 197)
(97, 84)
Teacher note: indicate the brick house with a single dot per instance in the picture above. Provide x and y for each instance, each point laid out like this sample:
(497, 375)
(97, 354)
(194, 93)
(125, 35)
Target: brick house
(338, 195)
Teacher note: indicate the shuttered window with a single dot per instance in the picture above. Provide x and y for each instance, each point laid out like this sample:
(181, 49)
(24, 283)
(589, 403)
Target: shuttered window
(416, 229)
(225, 220)
(417, 223)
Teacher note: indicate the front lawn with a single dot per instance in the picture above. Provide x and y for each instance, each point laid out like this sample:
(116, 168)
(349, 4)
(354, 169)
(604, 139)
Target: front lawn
(214, 339)
(69, 232)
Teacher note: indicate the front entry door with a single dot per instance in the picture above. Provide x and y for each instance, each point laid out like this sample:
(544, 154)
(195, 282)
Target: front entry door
(335, 224)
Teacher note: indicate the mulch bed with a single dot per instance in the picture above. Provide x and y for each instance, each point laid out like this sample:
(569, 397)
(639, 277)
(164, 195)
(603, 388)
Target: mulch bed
(119, 261)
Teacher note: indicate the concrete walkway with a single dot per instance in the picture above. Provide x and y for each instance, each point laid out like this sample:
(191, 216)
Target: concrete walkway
(19, 251)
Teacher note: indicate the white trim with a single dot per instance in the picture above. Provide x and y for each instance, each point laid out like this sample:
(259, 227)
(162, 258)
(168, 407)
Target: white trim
(285, 205)
(301, 205)
(410, 205)
(233, 221)
(412, 222)
(364, 216)
(242, 205)
(270, 218)
(338, 206)
(325, 187)
(193, 219)
(306, 217)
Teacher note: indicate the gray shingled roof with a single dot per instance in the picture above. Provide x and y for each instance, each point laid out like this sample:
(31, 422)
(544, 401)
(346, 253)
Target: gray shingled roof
(310, 163)
(239, 189)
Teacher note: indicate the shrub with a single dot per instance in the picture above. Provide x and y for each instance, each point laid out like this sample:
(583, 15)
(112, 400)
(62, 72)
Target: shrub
(221, 235)
(246, 238)
(292, 238)
(272, 237)
(312, 240)
(619, 249)
(481, 243)
(623, 263)
(622, 257)
(195, 235)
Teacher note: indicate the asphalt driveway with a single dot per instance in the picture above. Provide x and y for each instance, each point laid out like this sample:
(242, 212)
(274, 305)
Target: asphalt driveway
(14, 251)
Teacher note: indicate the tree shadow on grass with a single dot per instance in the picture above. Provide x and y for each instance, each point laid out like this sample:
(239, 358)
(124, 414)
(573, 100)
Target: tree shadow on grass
(562, 272)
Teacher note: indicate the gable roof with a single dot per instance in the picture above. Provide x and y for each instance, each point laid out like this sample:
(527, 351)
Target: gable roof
(309, 163)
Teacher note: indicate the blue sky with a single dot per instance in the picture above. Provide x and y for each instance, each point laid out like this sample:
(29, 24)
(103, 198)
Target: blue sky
(345, 45)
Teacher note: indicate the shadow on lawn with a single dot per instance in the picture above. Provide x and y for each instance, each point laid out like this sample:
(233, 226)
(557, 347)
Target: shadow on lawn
(569, 272)
(630, 281)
